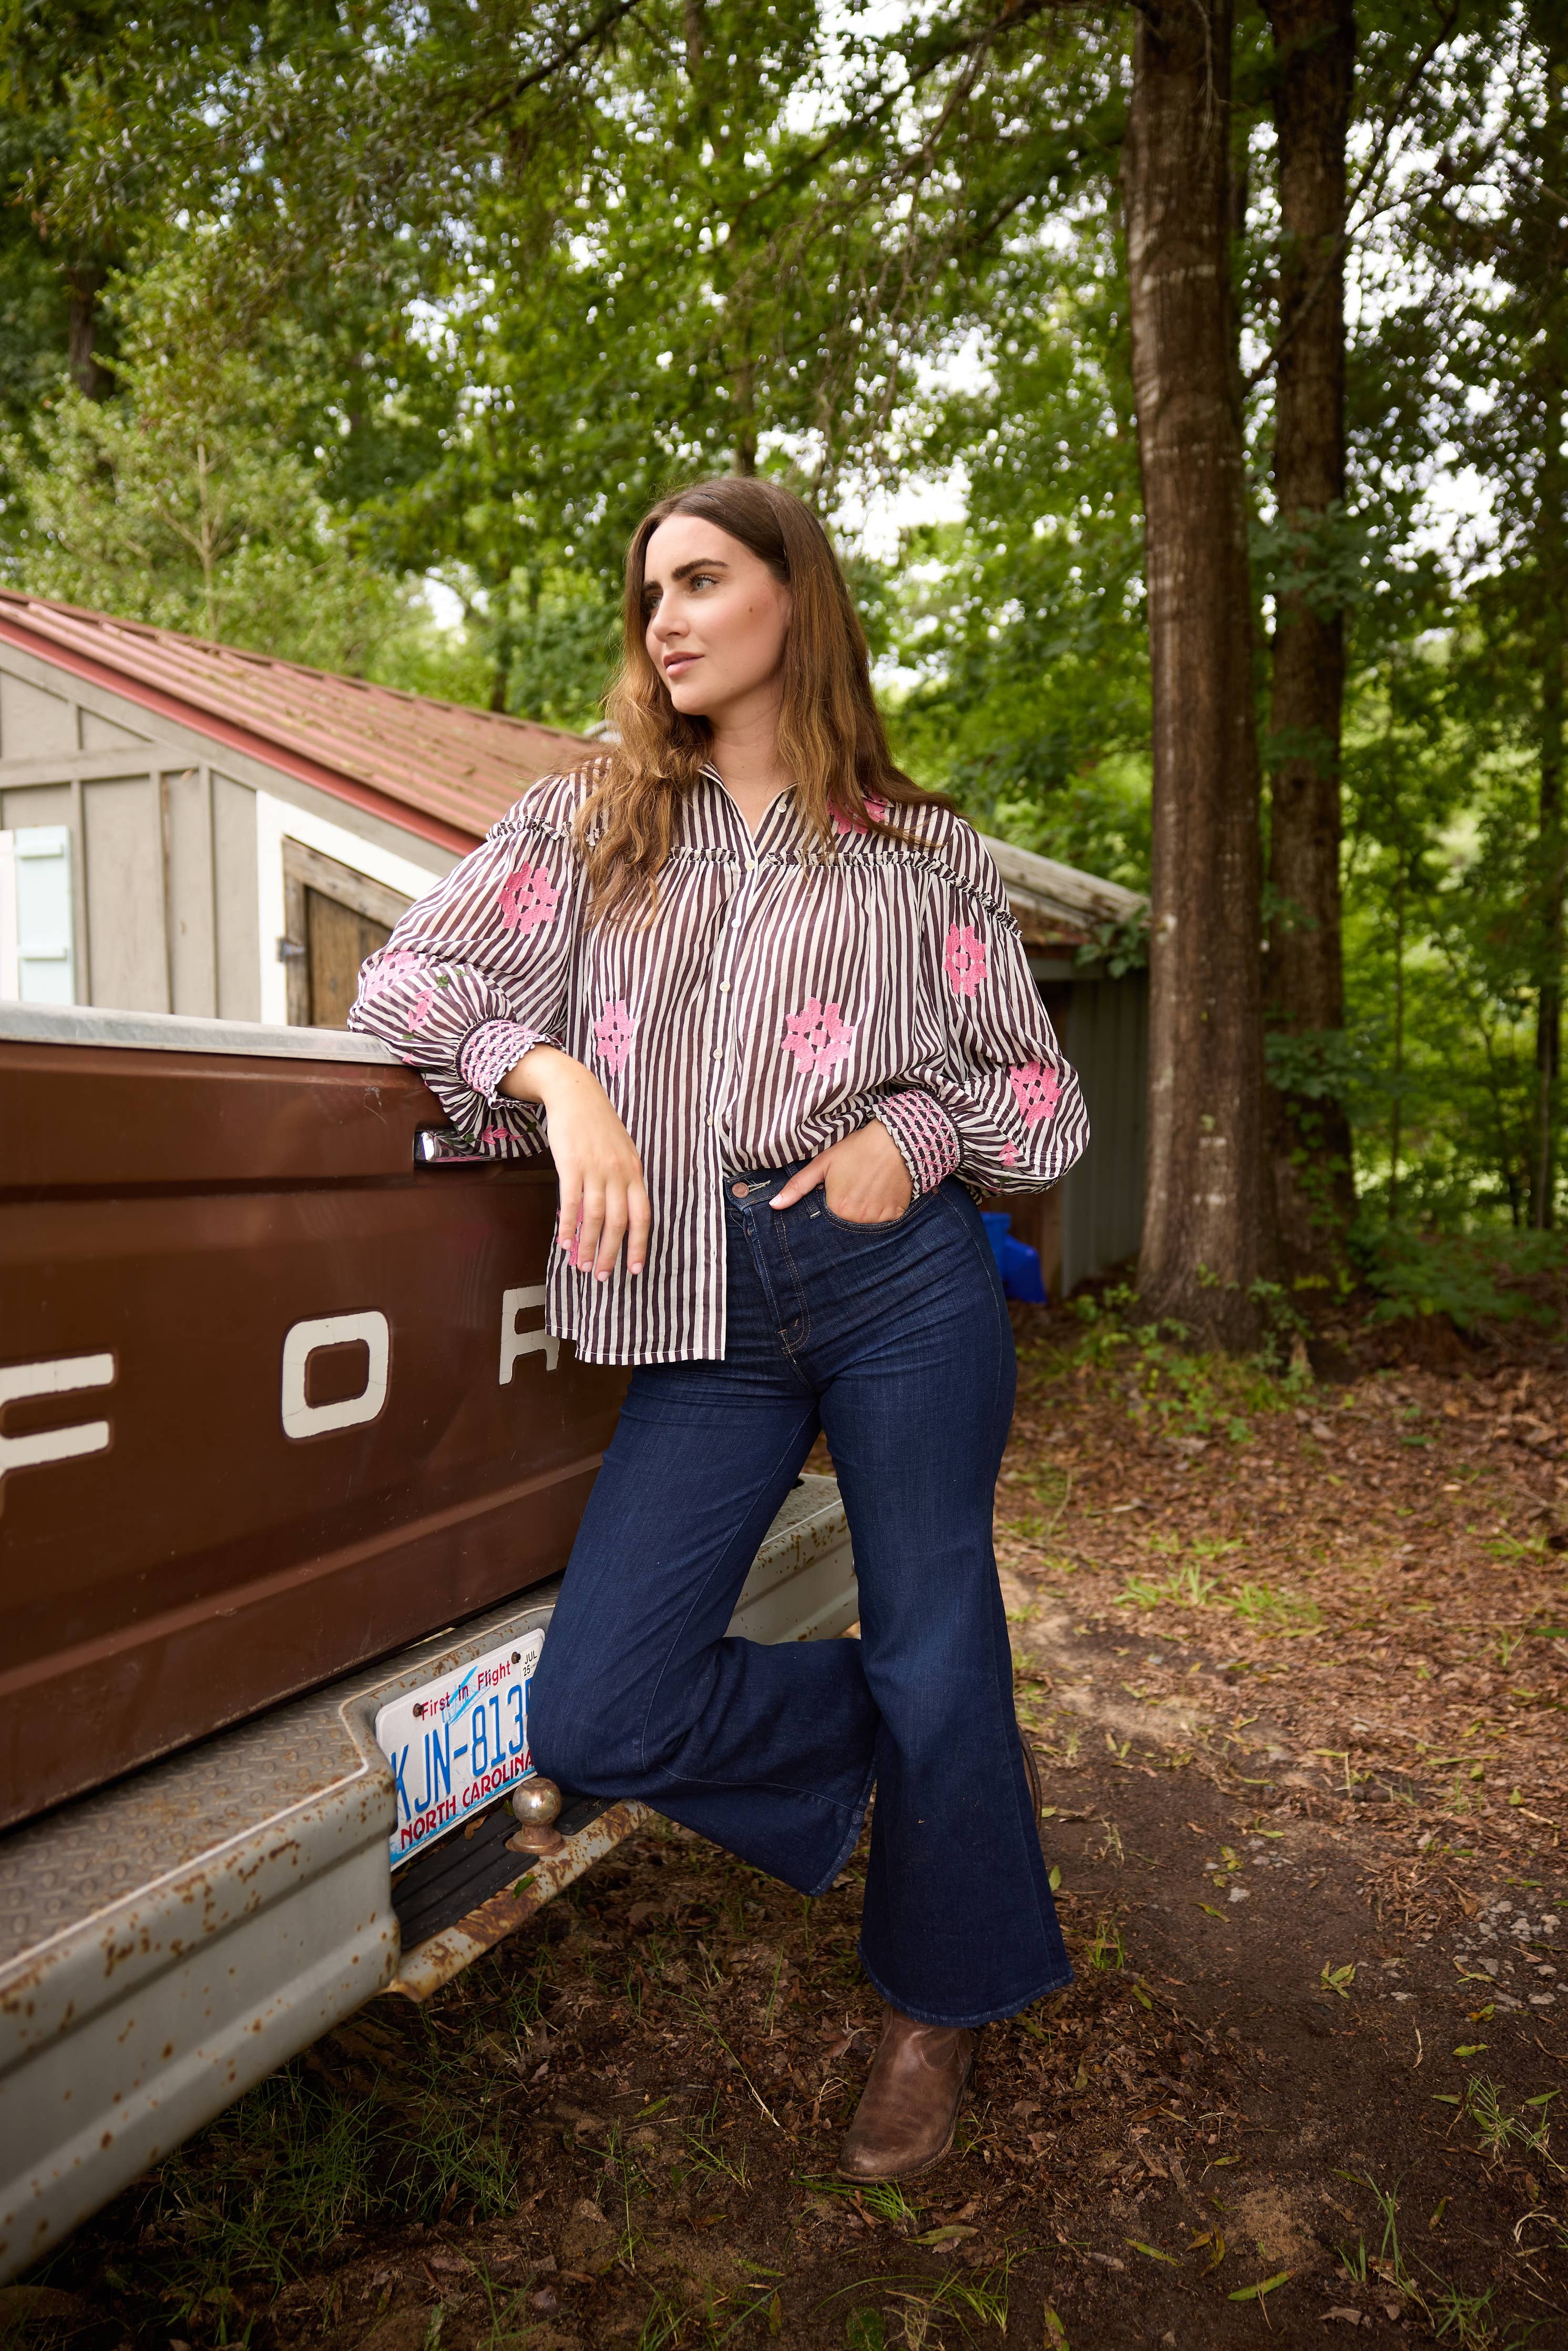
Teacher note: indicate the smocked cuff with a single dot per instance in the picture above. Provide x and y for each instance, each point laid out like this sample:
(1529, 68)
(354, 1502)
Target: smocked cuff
(487, 1052)
(927, 1138)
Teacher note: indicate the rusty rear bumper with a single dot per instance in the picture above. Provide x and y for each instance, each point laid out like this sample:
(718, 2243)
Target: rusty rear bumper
(166, 1942)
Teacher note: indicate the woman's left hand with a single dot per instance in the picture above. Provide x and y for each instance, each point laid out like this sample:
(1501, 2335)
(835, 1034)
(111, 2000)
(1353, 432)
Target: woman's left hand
(866, 1180)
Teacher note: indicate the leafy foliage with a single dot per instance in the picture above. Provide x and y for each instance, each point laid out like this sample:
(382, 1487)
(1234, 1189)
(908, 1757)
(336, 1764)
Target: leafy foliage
(313, 312)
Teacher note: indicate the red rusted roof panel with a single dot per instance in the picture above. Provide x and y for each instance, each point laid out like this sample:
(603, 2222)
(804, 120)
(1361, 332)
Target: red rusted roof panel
(442, 760)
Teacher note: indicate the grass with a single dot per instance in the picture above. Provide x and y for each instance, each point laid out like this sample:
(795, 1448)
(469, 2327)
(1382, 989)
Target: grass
(1455, 2314)
(884, 2198)
(1503, 2134)
(267, 2190)
(1192, 1395)
(966, 2299)
(669, 2323)
(1257, 1606)
(1268, 1611)
(1184, 1587)
(1107, 1949)
(709, 2157)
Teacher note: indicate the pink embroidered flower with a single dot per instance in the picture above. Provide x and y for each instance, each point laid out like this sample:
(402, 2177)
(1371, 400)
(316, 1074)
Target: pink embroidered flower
(1037, 1091)
(528, 898)
(398, 963)
(964, 959)
(818, 1036)
(419, 1010)
(494, 1134)
(1009, 1154)
(844, 825)
(614, 1031)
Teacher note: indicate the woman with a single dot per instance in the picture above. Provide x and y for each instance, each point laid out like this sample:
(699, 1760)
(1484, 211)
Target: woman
(768, 1001)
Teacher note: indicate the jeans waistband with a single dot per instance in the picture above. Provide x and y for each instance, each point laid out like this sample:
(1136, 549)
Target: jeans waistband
(760, 1183)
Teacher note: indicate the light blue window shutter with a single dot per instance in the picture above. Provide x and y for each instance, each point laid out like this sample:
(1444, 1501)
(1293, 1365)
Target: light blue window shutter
(46, 956)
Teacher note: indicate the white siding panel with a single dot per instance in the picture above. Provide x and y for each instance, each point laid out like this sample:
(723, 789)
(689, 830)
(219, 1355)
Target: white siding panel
(125, 894)
(34, 804)
(99, 733)
(188, 846)
(33, 724)
(239, 948)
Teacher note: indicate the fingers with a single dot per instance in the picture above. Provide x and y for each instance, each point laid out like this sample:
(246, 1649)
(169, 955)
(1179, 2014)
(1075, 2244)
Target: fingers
(598, 1215)
(640, 1216)
(611, 1233)
(805, 1179)
(589, 1225)
(570, 1208)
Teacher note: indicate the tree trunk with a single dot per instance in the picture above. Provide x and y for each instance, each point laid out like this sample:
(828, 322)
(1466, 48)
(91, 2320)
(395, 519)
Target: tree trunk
(1553, 844)
(1551, 536)
(1208, 1217)
(84, 284)
(1315, 42)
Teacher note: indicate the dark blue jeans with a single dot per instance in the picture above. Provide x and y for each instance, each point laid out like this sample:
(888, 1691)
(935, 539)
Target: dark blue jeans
(894, 1340)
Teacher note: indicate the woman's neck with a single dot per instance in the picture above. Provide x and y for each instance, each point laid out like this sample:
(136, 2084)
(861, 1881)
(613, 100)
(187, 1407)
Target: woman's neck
(743, 747)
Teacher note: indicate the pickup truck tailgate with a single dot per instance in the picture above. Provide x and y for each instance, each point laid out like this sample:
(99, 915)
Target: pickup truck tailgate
(275, 1399)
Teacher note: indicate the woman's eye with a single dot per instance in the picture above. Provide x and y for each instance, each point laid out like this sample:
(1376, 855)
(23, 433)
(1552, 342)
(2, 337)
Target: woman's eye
(704, 579)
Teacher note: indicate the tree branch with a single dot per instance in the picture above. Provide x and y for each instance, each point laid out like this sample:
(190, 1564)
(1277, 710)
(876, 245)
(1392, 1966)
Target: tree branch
(1447, 17)
(605, 22)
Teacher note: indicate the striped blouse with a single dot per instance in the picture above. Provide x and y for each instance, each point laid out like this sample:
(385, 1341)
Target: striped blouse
(785, 994)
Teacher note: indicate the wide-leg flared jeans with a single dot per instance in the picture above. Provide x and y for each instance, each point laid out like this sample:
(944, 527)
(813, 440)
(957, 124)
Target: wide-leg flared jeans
(894, 1340)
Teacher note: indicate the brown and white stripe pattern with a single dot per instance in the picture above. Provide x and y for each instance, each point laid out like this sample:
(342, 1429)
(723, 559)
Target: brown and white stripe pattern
(783, 995)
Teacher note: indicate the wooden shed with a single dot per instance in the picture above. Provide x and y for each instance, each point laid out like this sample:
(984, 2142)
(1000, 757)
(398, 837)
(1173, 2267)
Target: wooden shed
(188, 827)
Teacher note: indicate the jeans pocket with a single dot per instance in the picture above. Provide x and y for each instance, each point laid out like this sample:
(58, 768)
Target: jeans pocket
(875, 1225)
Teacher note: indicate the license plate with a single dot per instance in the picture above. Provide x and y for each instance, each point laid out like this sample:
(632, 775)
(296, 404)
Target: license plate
(457, 1743)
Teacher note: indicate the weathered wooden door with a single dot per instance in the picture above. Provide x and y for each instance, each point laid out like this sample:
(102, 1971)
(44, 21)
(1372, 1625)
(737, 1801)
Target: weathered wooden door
(336, 918)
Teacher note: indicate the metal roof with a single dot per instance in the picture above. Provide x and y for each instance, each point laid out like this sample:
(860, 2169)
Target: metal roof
(441, 769)
(1057, 904)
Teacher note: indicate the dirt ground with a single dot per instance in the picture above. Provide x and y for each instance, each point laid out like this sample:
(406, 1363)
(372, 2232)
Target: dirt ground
(1293, 1656)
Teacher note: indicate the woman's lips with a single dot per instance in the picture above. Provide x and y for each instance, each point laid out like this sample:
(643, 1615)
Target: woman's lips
(676, 665)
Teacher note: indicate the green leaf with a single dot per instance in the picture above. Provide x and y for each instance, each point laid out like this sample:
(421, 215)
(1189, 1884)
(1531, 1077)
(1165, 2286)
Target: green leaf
(1256, 2293)
(1153, 2252)
(951, 2232)
(1469, 2048)
(1211, 1908)
(1055, 1878)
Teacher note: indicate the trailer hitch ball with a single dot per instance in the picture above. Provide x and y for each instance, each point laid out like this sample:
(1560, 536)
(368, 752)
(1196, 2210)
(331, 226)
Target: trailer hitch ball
(537, 1803)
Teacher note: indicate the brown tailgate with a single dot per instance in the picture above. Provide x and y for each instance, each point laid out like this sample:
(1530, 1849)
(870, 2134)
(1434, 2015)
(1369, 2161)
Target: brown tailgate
(254, 1426)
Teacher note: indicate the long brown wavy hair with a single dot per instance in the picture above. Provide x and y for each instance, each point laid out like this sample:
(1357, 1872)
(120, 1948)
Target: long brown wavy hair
(830, 737)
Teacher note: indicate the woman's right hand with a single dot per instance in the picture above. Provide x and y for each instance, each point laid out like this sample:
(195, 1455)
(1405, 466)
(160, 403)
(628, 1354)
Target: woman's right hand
(603, 1199)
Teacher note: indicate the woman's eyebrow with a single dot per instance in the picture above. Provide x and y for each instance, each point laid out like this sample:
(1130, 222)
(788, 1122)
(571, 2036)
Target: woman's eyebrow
(699, 563)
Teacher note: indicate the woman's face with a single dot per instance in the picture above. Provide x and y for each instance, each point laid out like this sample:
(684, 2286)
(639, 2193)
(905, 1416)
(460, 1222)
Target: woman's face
(716, 619)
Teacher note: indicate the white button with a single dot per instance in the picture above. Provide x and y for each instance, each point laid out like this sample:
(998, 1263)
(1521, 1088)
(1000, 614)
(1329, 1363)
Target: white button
(724, 987)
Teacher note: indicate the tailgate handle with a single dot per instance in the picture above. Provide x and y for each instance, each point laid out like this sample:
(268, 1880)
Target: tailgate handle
(446, 1146)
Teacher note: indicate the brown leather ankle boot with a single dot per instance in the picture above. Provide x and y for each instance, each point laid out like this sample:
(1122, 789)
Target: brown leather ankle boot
(910, 2103)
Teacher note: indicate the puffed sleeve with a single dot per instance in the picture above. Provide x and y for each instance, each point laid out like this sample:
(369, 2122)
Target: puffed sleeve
(476, 972)
(997, 1103)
